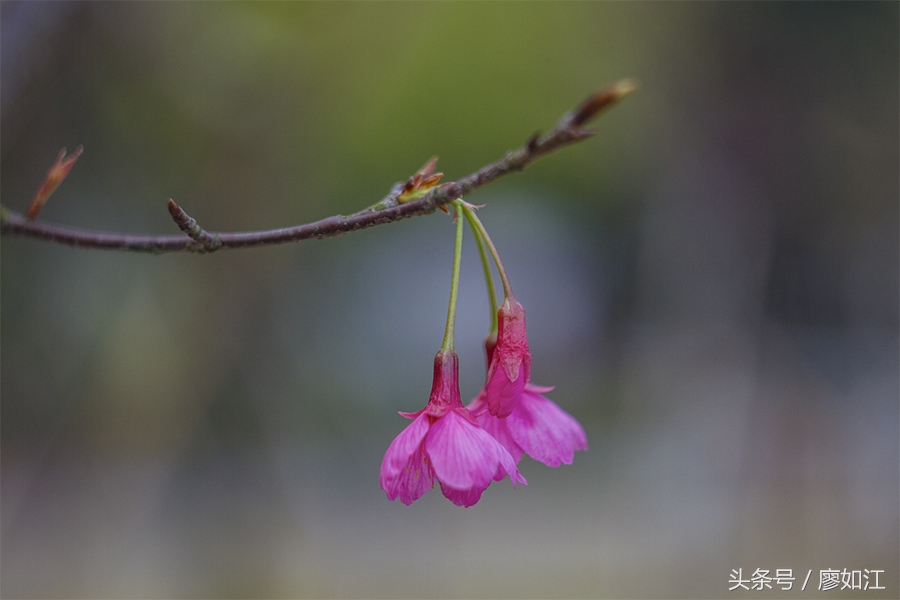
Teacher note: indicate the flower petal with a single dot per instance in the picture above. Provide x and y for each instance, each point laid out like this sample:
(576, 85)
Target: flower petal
(462, 497)
(405, 470)
(507, 466)
(464, 456)
(545, 432)
(502, 393)
(498, 429)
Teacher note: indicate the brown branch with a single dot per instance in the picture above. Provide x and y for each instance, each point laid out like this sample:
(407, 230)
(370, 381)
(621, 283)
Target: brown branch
(209, 241)
(392, 208)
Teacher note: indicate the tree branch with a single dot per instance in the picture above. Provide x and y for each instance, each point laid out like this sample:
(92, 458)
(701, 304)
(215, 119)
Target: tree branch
(392, 208)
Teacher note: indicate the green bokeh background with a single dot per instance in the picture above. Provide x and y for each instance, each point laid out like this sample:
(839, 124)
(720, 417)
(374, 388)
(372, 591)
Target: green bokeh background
(711, 284)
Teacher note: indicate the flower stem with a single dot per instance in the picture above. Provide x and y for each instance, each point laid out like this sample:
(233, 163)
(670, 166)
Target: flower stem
(447, 344)
(486, 264)
(479, 228)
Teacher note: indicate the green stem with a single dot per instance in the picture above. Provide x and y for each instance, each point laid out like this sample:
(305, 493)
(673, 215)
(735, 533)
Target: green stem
(447, 344)
(486, 264)
(476, 225)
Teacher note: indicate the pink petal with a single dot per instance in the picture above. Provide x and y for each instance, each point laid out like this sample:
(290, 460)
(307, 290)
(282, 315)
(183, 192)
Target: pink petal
(498, 430)
(545, 432)
(466, 458)
(502, 393)
(462, 497)
(506, 466)
(411, 415)
(478, 405)
(540, 389)
(462, 454)
(405, 470)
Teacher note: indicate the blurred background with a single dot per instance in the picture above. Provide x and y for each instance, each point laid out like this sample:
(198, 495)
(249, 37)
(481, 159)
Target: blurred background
(711, 285)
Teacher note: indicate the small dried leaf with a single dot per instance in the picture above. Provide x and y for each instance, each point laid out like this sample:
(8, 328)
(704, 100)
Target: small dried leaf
(431, 181)
(428, 168)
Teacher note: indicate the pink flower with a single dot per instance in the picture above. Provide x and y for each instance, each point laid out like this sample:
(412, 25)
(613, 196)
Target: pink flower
(445, 442)
(509, 367)
(536, 426)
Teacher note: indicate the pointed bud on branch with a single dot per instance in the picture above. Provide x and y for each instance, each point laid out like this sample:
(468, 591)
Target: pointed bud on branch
(55, 177)
(598, 102)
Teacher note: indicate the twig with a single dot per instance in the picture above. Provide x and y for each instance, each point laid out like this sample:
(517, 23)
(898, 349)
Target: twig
(392, 208)
(187, 224)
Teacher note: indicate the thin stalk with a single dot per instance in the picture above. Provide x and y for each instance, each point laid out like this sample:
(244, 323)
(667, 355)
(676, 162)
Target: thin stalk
(476, 225)
(486, 264)
(447, 344)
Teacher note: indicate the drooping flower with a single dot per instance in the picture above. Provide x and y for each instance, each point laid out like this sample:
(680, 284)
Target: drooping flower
(445, 442)
(509, 367)
(536, 426)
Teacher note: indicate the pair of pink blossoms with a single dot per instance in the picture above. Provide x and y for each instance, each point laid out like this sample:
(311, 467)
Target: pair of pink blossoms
(466, 447)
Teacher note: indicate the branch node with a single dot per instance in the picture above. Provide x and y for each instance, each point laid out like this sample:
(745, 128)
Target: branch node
(209, 242)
